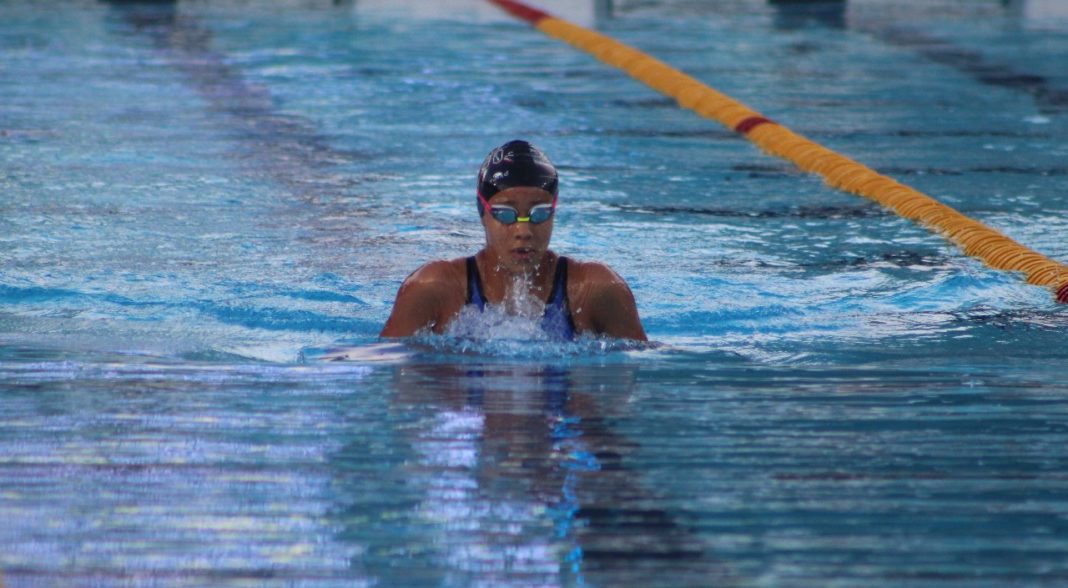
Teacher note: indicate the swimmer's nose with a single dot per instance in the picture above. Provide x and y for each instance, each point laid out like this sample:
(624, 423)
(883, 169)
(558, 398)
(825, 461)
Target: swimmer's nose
(522, 231)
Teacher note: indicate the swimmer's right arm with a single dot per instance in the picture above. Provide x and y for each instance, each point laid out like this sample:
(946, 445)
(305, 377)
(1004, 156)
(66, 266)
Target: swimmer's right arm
(421, 301)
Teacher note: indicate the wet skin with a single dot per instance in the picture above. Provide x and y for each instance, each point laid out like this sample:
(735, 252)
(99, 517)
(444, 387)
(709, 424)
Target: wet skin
(600, 301)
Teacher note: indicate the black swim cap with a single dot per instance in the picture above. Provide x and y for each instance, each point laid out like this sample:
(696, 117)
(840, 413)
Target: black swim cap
(516, 163)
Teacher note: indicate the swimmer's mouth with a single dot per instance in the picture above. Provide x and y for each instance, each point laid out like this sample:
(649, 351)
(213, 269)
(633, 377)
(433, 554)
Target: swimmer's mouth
(523, 252)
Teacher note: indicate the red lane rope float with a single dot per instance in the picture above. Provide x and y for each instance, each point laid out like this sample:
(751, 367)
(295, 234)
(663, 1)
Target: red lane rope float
(522, 11)
(974, 238)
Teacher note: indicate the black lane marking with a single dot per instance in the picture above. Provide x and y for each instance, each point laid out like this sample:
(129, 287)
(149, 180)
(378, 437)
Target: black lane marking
(286, 148)
(1049, 98)
(802, 212)
(995, 169)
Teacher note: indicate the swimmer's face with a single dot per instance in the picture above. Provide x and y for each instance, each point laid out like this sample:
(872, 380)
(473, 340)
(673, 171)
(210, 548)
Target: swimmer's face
(519, 247)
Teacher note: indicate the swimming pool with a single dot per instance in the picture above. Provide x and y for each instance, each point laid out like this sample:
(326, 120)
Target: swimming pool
(201, 202)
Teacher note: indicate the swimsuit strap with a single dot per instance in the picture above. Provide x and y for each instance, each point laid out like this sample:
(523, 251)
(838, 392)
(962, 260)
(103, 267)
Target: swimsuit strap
(474, 285)
(558, 295)
(557, 319)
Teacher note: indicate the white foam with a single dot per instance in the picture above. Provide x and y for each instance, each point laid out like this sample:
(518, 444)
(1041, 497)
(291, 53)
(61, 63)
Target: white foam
(517, 317)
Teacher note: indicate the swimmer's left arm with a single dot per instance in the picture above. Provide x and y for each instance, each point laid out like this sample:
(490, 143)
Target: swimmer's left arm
(611, 305)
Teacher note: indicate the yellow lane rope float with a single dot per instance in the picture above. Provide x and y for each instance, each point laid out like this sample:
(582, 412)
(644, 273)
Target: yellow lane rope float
(973, 237)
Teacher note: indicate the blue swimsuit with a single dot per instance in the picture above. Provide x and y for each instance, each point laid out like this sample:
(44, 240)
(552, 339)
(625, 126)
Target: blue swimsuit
(557, 318)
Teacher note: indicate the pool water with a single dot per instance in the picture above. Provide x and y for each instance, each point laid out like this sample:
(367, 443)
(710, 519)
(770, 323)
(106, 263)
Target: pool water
(206, 210)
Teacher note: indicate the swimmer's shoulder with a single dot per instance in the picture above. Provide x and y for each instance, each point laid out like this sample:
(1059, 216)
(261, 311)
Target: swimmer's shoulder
(429, 297)
(442, 280)
(440, 272)
(601, 301)
(590, 277)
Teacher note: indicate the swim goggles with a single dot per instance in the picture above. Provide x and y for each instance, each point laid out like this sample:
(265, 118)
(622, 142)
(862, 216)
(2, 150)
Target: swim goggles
(506, 215)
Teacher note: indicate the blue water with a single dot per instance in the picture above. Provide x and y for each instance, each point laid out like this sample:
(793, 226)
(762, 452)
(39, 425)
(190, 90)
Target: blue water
(206, 210)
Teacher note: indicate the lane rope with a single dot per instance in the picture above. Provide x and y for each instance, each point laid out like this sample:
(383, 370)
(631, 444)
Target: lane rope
(973, 237)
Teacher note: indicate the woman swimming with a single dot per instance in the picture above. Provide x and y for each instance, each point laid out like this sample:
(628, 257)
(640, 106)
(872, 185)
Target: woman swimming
(518, 187)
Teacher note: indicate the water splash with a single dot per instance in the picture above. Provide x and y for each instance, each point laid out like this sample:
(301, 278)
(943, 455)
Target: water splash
(512, 346)
(516, 317)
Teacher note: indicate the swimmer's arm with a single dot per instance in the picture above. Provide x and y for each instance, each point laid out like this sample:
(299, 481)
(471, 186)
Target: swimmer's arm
(419, 303)
(612, 307)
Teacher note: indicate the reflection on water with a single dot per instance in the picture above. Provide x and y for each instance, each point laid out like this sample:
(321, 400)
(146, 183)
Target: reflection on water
(680, 472)
(518, 479)
(140, 473)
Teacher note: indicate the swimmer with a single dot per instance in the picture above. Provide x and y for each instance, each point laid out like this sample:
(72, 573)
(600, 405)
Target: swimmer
(517, 195)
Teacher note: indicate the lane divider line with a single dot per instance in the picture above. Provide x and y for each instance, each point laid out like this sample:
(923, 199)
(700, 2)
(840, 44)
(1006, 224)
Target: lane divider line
(973, 237)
